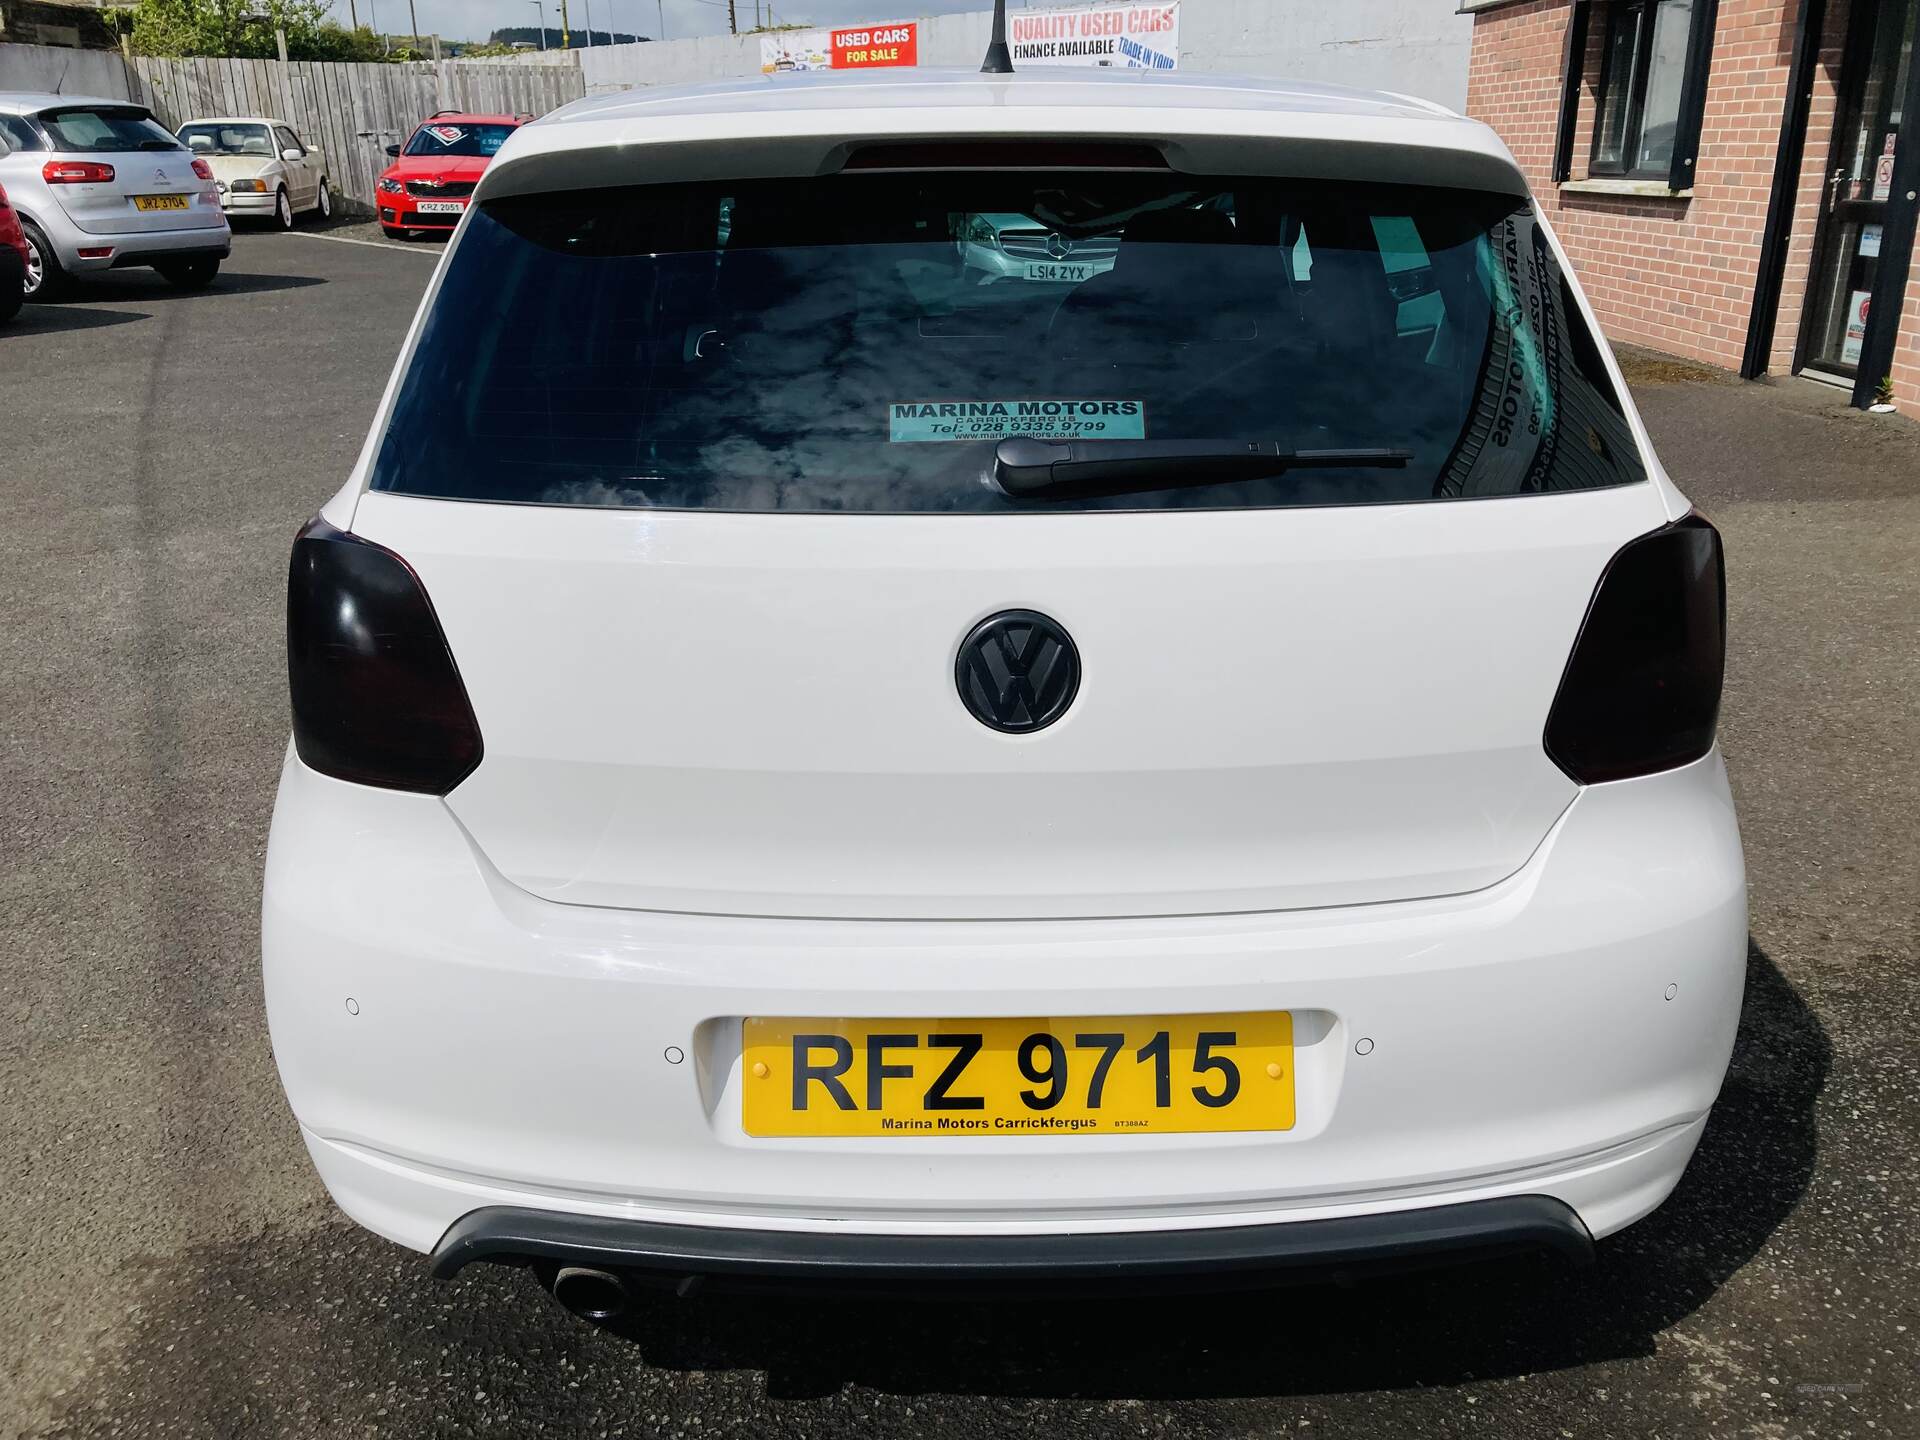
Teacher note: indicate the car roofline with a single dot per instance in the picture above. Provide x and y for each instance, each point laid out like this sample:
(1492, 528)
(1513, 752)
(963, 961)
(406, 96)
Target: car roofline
(1216, 126)
(779, 93)
(28, 102)
(233, 120)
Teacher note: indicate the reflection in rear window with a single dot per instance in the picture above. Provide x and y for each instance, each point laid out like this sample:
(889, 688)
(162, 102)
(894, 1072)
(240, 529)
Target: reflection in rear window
(863, 342)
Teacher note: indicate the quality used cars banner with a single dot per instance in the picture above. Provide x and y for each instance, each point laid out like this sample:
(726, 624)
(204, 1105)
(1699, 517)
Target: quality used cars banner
(853, 47)
(1125, 37)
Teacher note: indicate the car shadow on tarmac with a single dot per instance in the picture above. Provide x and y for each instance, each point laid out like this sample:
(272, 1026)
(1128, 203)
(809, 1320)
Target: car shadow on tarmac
(51, 319)
(325, 1323)
(146, 288)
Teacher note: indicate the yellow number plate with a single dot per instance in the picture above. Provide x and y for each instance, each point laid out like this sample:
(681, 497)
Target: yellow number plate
(1102, 1076)
(159, 202)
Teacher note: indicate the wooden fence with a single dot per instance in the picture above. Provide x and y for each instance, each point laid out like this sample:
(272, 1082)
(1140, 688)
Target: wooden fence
(352, 112)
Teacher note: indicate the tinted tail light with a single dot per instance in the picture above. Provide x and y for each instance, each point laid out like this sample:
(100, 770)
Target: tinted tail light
(76, 172)
(1641, 692)
(202, 169)
(376, 696)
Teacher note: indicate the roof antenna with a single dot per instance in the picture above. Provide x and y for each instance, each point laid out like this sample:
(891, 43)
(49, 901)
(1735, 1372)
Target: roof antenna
(999, 59)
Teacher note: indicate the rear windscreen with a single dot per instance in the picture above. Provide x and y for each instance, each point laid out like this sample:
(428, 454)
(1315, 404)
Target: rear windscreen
(105, 129)
(865, 342)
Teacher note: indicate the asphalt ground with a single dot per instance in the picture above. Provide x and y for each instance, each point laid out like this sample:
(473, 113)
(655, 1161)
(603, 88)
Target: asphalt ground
(170, 1266)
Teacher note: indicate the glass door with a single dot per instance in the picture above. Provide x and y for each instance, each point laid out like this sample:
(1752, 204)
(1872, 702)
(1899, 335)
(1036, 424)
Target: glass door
(1846, 256)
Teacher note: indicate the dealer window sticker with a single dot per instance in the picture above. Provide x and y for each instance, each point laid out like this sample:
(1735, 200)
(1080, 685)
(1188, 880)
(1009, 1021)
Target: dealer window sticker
(447, 134)
(920, 421)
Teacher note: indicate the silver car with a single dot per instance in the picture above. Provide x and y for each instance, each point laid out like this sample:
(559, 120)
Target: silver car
(100, 185)
(1018, 247)
(262, 167)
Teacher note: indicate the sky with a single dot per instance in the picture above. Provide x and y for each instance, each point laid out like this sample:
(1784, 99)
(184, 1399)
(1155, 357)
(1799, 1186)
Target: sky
(473, 19)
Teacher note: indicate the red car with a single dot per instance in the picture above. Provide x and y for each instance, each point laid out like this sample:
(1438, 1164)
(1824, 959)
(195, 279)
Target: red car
(13, 261)
(427, 186)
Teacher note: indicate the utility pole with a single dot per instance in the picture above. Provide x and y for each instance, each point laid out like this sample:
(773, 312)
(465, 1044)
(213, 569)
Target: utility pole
(566, 28)
(286, 86)
(663, 20)
(413, 19)
(353, 13)
(589, 5)
(733, 20)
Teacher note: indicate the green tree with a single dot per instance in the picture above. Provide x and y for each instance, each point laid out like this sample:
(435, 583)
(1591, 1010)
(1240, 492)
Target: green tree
(243, 29)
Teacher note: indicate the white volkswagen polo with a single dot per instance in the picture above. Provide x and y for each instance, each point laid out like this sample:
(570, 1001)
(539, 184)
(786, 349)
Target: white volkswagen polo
(808, 766)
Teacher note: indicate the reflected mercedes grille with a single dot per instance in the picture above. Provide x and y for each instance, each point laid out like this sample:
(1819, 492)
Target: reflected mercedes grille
(1049, 245)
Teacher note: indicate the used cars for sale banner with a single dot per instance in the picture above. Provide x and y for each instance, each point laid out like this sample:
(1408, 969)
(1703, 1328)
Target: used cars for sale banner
(856, 47)
(1126, 37)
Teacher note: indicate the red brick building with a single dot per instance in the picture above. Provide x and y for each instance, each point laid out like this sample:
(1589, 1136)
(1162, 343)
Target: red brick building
(1735, 180)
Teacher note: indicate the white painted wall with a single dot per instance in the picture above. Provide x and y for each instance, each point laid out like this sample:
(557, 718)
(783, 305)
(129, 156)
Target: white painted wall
(1418, 47)
(63, 71)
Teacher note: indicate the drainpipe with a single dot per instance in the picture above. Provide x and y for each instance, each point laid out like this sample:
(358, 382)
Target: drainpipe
(1789, 153)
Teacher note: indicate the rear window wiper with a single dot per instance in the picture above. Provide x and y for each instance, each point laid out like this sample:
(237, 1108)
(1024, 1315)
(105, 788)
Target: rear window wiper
(1030, 469)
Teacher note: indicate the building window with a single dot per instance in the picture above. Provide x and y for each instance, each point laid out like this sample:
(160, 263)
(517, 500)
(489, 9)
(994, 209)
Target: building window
(1643, 97)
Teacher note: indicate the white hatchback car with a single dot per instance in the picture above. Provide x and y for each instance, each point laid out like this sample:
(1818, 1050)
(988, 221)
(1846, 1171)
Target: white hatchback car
(807, 766)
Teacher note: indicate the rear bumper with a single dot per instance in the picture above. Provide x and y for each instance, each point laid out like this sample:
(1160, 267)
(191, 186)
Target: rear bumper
(203, 227)
(450, 1043)
(1254, 1254)
(145, 249)
(146, 255)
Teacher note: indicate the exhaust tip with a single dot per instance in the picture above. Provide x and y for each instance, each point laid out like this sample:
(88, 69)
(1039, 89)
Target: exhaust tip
(597, 1295)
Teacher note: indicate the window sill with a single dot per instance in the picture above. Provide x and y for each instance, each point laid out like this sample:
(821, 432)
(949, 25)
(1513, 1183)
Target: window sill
(1644, 189)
